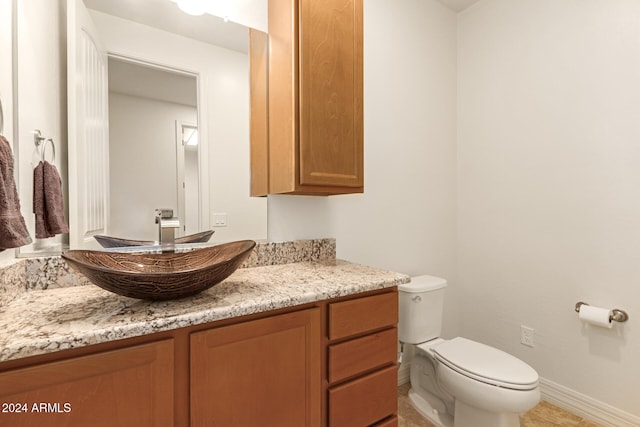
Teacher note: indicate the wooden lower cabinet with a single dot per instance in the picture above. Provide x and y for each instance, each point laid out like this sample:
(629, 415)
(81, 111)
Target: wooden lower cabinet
(329, 363)
(260, 373)
(362, 372)
(364, 401)
(126, 387)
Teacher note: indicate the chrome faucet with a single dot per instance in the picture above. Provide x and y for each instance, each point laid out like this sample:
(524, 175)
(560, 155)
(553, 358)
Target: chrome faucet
(167, 225)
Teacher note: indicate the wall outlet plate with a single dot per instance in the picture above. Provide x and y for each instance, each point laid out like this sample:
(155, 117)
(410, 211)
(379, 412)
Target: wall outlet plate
(220, 219)
(527, 336)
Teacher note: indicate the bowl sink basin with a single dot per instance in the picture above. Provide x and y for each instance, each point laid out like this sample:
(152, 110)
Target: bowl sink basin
(160, 276)
(117, 242)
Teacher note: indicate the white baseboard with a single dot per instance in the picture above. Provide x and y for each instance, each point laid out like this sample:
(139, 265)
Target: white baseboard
(585, 406)
(566, 398)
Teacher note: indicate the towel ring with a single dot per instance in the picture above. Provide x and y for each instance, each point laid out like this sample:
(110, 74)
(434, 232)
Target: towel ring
(37, 137)
(39, 140)
(53, 150)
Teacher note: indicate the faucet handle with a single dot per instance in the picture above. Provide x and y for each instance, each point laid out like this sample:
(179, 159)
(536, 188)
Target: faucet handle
(163, 213)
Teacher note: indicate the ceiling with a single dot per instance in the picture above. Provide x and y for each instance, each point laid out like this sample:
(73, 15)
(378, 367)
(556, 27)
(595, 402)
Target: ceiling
(165, 15)
(136, 79)
(458, 5)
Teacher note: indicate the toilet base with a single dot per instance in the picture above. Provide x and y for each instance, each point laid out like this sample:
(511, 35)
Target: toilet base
(468, 416)
(424, 408)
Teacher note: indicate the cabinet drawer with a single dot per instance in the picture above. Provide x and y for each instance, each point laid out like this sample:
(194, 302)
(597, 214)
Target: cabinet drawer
(363, 314)
(391, 422)
(362, 354)
(364, 401)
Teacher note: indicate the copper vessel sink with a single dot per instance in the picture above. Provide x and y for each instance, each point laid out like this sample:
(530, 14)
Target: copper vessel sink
(160, 276)
(117, 242)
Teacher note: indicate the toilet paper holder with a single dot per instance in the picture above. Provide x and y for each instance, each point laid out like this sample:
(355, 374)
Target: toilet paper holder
(617, 315)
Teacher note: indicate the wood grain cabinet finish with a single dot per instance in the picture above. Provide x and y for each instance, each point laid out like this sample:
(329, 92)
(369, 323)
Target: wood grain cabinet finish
(327, 363)
(362, 364)
(364, 401)
(259, 126)
(357, 356)
(126, 387)
(361, 315)
(260, 373)
(315, 99)
(391, 422)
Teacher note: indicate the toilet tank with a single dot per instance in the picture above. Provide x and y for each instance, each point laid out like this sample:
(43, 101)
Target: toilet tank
(420, 309)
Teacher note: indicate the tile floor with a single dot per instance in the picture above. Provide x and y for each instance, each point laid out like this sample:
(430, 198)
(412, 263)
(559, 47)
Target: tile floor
(543, 415)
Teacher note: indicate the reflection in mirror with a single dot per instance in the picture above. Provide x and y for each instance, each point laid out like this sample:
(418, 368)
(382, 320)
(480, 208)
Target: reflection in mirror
(153, 148)
(39, 103)
(188, 182)
(156, 32)
(196, 83)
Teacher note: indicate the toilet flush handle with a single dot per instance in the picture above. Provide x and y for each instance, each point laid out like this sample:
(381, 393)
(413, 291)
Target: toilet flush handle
(417, 298)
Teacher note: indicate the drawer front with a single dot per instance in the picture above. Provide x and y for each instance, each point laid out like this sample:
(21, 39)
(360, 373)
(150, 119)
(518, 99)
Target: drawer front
(364, 401)
(362, 354)
(362, 315)
(391, 422)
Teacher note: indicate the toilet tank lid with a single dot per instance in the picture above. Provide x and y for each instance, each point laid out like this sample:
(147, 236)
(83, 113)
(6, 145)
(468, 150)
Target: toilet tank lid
(423, 284)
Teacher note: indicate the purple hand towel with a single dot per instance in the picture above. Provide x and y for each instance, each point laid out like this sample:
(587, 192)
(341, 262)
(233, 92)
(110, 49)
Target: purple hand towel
(48, 204)
(13, 230)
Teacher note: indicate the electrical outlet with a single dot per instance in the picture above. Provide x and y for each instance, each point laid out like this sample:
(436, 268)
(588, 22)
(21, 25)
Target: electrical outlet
(527, 336)
(220, 219)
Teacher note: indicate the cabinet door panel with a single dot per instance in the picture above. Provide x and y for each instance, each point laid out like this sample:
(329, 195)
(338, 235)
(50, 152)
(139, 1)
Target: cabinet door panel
(364, 401)
(260, 373)
(331, 93)
(127, 387)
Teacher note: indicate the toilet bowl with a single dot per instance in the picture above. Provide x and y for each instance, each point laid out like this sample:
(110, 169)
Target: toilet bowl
(459, 382)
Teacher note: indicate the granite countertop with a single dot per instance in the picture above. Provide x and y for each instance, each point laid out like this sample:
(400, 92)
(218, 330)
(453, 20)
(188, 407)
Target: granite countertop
(53, 319)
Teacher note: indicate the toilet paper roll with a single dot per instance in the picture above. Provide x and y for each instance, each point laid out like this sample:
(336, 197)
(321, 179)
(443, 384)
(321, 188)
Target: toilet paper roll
(596, 316)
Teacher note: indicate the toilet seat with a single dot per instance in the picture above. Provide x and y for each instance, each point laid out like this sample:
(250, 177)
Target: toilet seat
(486, 364)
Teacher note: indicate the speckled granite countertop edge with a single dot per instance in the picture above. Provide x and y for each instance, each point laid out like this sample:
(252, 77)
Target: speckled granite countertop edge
(44, 321)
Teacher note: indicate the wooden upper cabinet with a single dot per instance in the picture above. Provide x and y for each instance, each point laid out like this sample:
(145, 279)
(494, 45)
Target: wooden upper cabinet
(331, 133)
(259, 112)
(315, 99)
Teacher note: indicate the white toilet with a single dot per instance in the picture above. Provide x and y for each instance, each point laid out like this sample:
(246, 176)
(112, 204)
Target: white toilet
(459, 382)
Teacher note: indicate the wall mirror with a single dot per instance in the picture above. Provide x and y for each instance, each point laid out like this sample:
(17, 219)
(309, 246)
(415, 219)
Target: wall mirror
(198, 64)
(153, 128)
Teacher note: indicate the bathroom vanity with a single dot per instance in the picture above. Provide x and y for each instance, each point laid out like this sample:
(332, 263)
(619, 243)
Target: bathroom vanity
(310, 343)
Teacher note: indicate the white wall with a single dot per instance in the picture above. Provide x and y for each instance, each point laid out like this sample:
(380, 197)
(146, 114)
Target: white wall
(224, 110)
(42, 100)
(405, 220)
(142, 161)
(549, 186)
(547, 177)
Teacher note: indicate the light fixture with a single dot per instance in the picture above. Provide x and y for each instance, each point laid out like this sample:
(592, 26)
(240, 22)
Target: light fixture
(193, 7)
(192, 139)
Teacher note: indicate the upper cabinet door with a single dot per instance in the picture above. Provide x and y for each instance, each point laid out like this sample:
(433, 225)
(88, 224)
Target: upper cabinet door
(331, 69)
(315, 93)
(88, 120)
